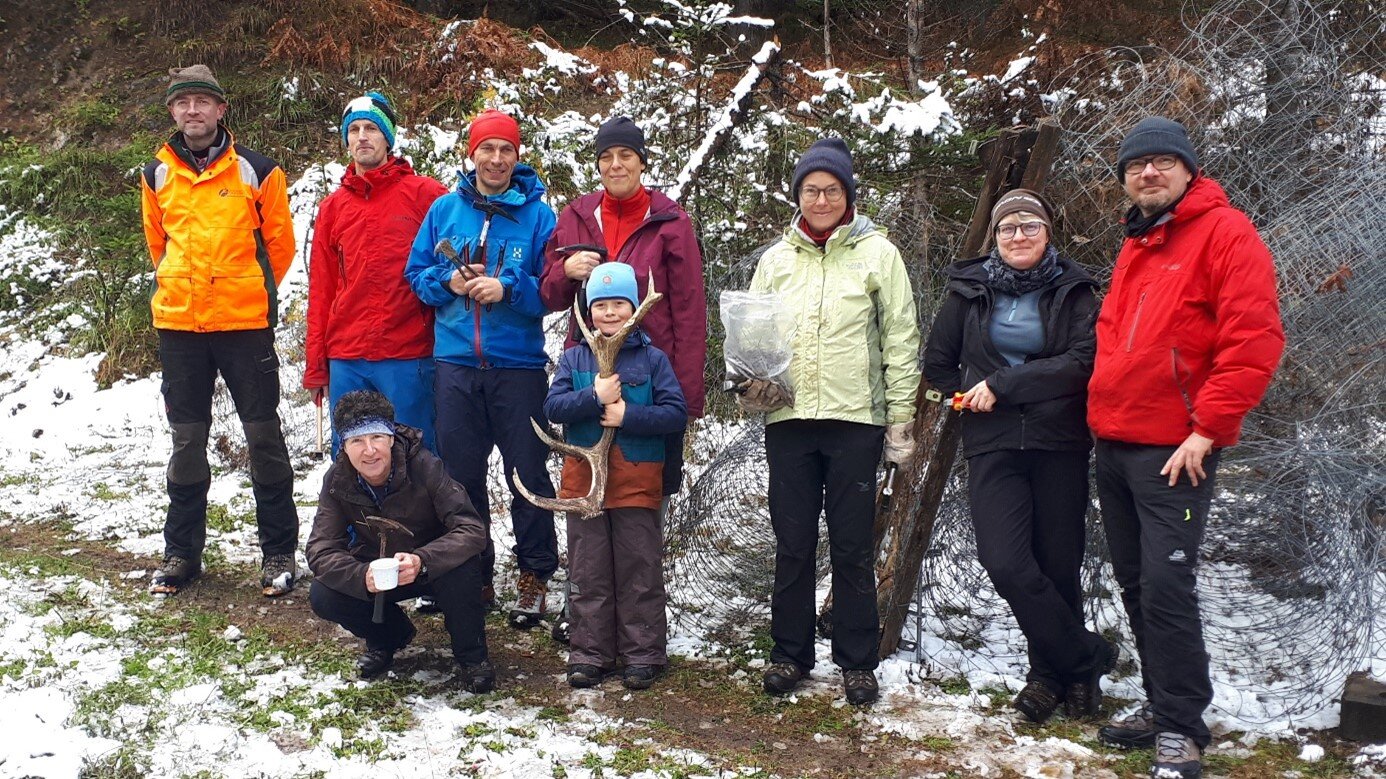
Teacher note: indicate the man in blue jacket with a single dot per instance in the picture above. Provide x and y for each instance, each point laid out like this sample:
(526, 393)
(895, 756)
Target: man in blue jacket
(489, 342)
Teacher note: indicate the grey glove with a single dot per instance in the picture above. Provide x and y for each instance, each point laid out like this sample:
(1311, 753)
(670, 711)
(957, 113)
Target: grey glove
(899, 442)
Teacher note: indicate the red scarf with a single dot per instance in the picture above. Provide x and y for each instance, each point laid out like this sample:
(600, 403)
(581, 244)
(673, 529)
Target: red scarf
(822, 239)
(621, 217)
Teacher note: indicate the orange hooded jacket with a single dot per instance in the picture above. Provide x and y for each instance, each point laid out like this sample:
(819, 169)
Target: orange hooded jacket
(221, 239)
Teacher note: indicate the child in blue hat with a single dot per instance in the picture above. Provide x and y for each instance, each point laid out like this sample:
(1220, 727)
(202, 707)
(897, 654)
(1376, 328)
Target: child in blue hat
(615, 565)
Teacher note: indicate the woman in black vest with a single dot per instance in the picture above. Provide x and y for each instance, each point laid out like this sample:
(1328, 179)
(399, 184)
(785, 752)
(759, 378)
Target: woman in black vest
(1015, 335)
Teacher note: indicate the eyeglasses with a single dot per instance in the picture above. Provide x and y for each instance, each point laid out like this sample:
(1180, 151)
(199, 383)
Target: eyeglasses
(810, 194)
(1160, 161)
(1028, 229)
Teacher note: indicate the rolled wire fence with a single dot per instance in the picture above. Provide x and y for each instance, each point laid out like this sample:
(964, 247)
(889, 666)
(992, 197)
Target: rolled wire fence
(1283, 105)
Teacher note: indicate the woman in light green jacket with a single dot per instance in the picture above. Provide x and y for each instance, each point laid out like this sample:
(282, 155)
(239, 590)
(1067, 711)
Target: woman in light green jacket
(855, 373)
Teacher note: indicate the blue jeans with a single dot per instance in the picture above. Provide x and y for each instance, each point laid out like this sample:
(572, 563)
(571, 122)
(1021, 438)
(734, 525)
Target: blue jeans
(407, 383)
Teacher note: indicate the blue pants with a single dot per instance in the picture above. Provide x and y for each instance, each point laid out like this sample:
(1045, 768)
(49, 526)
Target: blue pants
(407, 383)
(479, 410)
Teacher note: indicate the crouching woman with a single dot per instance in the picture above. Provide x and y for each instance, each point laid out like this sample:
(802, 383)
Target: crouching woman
(385, 471)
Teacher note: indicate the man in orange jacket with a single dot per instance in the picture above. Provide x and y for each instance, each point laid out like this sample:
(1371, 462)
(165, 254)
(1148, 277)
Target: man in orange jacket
(1188, 338)
(216, 218)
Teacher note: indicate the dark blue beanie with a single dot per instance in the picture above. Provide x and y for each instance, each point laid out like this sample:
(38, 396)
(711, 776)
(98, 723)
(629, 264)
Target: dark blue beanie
(621, 131)
(1156, 135)
(831, 156)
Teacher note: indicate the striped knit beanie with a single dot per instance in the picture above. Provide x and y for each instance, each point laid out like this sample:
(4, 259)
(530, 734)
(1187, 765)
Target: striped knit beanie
(375, 108)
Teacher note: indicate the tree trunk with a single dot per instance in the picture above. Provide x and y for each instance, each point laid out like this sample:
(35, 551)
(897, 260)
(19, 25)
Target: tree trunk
(827, 36)
(914, 38)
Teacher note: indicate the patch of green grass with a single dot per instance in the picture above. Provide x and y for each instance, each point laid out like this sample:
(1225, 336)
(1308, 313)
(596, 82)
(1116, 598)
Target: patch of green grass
(223, 519)
(937, 743)
(553, 714)
(102, 491)
(999, 697)
(956, 685)
(476, 730)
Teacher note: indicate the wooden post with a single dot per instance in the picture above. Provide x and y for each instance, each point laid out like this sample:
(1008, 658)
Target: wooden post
(1017, 157)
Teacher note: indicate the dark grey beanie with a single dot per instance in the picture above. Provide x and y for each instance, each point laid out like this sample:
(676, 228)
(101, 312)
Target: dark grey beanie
(1156, 135)
(621, 131)
(831, 156)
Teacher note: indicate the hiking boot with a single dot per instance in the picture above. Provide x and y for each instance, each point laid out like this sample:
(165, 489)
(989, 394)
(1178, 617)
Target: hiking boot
(529, 606)
(1083, 698)
(426, 605)
(639, 677)
(1037, 701)
(479, 678)
(1130, 731)
(584, 675)
(860, 686)
(173, 574)
(782, 678)
(374, 662)
(277, 574)
(1176, 757)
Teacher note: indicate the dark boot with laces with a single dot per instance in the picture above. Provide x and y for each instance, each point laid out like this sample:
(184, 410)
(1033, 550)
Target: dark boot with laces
(1083, 698)
(782, 678)
(374, 662)
(479, 678)
(1037, 701)
(173, 574)
(277, 575)
(860, 686)
(1176, 757)
(1130, 731)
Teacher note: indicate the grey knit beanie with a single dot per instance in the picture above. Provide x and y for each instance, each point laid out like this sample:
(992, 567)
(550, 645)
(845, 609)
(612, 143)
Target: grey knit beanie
(1156, 135)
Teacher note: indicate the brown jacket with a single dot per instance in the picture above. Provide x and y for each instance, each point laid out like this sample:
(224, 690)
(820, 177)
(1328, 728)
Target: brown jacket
(422, 497)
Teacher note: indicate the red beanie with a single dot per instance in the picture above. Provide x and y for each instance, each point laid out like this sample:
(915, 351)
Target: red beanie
(492, 124)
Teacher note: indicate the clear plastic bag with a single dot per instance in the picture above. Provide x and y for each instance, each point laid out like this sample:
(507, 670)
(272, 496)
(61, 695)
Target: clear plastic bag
(758, 349)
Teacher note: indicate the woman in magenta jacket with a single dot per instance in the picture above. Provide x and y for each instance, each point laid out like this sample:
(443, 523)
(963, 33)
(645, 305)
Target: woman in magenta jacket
(650, 232)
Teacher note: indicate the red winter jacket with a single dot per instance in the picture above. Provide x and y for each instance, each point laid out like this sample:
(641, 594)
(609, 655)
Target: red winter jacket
(663, 245)
(360, 306)
(1189, 334)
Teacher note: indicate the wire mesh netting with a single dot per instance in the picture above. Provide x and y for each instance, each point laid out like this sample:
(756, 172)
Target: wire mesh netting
(1284, 102)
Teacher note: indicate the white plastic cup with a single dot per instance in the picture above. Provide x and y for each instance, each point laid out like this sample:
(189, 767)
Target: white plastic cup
(386, 573)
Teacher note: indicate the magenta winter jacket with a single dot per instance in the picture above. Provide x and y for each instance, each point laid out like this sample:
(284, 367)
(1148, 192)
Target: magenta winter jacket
(663, 245)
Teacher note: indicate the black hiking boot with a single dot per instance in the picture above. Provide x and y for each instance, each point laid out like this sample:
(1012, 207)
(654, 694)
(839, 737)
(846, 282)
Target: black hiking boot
(1130, 731)
(374, 662)
(584, 675)
(1084, 698)
(173, 574)
(277, 575)
(860, 686)
(479, 678)
(639, 677)
(1037, 702)
(782, 678)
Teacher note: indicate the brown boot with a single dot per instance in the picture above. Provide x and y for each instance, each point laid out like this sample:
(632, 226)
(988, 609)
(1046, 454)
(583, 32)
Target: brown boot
(529, 605)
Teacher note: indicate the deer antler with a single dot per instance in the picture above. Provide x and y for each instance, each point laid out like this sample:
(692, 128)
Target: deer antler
(605, 348)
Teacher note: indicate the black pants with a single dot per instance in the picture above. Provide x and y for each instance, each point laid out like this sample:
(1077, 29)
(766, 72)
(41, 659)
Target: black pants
(248, 364)
(1028, 510)
(817, 465)
(479, 410)
(457, 592)
(1154, 531)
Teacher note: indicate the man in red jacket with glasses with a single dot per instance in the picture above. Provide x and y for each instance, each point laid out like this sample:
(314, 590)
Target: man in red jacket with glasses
(1188, 338)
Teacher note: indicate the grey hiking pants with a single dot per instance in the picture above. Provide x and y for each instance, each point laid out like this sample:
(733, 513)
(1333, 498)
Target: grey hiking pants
(616, 593)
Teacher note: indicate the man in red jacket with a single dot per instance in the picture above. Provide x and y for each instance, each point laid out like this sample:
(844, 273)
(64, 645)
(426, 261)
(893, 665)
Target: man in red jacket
(1188, 338)
(367, 330)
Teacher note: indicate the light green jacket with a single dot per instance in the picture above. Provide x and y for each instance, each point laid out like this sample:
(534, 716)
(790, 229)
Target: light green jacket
(856, 346)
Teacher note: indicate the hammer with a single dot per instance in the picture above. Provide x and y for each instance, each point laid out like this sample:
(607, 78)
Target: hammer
(382, 527)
